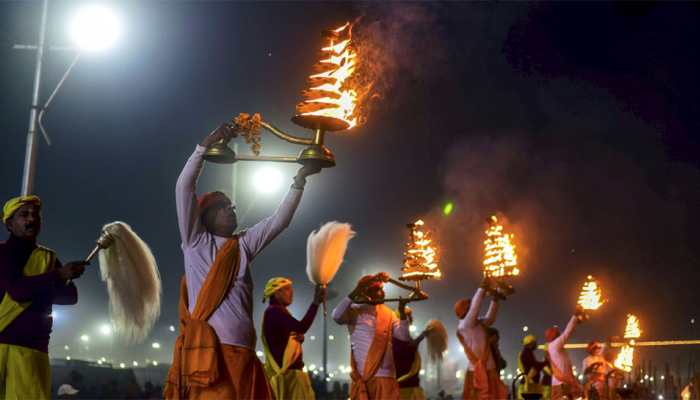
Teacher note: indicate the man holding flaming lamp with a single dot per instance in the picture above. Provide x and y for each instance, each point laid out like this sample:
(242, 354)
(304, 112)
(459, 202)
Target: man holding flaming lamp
(372, 325)
(481, 380)
(214, 356)
(564, 382)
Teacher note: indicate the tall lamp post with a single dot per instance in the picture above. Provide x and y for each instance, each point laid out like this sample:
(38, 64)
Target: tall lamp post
(93, 28)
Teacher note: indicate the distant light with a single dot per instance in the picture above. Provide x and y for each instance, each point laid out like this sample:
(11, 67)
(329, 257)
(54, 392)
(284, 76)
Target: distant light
(94, 28)
(155, 363)
(412, 328)
(580, 377)
(320, 369)
(155, 345)
(525, 328)
(105, 329)
(663, 377)
(84, 338)
(135, 363)
(267, 180)
(99, 362)
(313, 337)
(171, 328)
(661, 397)
(66, 348)
(651, 379)
(68, 358)
(421, 372)
(122, 365)
(448, 208)
(446, 353)
(103, 359)
(328, 379)
(312, 367)
(510, 376)
(331, 337)
(692, 320)
(458, 374)
(259, 353)
(331, 375)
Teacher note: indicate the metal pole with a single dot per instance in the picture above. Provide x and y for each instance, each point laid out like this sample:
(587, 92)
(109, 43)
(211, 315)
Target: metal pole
(30, 152)
(325, 349)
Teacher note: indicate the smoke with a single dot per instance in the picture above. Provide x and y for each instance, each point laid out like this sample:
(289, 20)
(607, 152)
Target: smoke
(397, 43)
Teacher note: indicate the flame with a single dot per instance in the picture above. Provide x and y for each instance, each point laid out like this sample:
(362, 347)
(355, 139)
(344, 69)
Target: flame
(625, 359)
(420, 255)
(590, 297)
(500, 258)
(329, 95)
(632, 330)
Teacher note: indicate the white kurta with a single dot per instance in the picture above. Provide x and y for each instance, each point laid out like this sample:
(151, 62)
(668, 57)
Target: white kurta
(233, 320)
(361, 320)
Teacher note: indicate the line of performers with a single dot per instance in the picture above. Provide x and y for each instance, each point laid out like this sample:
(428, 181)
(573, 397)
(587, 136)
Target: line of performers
(214, 354)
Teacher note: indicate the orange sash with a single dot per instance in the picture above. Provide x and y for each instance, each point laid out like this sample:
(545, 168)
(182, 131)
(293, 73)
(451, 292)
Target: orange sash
(375, 355)
(484, 389)
(195, 361)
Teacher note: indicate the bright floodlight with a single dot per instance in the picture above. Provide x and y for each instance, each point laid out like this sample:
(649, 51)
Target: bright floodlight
(105, 329)
(267, 180)
(94, 27)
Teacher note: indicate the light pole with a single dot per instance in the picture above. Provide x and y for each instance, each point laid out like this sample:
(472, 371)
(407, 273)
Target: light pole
(94, 28)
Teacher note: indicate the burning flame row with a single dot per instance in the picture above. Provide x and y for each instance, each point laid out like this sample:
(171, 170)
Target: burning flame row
(329, 95)
(590, 297)
(500, 258)
(625, 358)
(420, 257)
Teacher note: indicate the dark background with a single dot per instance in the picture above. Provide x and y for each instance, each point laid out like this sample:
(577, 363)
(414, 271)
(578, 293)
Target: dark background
(577, 121)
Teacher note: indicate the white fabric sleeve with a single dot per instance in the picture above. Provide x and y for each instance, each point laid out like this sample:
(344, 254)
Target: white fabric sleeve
(186, 198)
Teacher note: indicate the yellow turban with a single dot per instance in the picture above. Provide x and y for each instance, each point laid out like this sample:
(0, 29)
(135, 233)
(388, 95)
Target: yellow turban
(529, 339)
(15, 203)
(273, 285)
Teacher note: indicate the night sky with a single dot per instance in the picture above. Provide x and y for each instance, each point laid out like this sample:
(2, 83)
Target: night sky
(576, 121)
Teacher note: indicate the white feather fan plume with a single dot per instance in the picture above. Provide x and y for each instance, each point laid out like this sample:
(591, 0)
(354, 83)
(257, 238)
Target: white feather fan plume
(436, 337)
(133, 283)
(325, 250)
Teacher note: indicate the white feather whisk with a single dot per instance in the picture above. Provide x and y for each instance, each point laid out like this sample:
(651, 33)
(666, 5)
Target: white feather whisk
(325, 250)
(133, 282)
(436, 337)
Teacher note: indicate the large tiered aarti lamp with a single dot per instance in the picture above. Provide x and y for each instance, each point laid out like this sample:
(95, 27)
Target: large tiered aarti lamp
(420, 264)
(590, 298)
(329, 105)
(500, 258)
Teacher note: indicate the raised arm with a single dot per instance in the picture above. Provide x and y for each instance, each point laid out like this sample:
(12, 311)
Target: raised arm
(186, 188)
(400, 329)
(561, 340)
(470, 319)
(186, 198)
(342, 313)
(262, 233)
(490, 316)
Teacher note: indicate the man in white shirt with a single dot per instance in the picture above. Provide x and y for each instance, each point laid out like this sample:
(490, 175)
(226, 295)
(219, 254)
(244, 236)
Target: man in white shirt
(564, 382)
(482, 380)
(371, 328)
